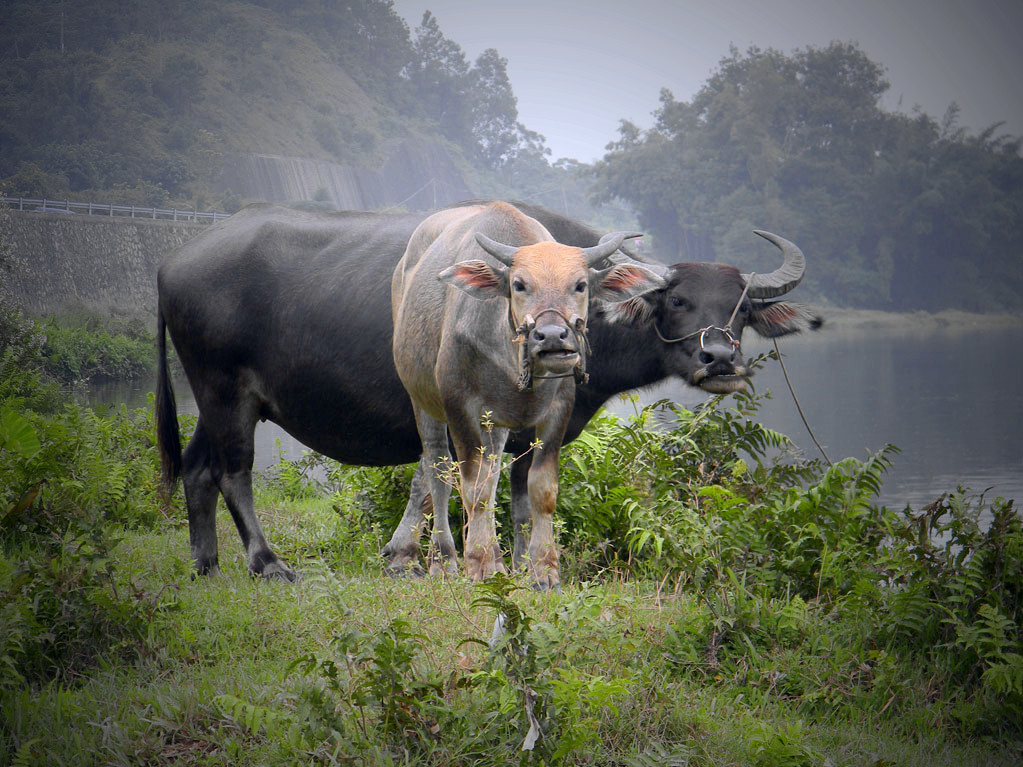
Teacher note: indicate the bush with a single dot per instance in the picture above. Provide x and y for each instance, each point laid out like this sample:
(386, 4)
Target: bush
(87, 350)
(787, 557)
(68, 479)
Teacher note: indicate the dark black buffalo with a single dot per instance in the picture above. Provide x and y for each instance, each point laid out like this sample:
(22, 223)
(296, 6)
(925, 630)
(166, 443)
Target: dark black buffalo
(284, 315)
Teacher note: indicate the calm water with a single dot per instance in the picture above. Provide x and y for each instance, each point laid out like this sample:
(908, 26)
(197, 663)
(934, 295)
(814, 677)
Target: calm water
(952, 401)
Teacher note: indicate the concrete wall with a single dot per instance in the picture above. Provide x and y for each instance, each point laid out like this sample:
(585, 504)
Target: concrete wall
(60, 260)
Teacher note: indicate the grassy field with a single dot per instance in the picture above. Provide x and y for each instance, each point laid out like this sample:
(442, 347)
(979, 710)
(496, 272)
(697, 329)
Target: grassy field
(348, 666)
(726, 603)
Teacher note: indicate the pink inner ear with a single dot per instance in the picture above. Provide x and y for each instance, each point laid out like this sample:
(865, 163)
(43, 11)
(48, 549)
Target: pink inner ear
(630, 310)
(475, 276)
(622, 278)
(780, 312)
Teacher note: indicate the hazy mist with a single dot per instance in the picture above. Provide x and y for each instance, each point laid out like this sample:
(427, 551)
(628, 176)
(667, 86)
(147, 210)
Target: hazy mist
(579, 66)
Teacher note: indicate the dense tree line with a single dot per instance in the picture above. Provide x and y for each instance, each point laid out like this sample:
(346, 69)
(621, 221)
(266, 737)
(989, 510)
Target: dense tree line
(894, 211)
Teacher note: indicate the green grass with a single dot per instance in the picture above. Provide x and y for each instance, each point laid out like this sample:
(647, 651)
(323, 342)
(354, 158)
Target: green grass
(236, 639)
(720, 608)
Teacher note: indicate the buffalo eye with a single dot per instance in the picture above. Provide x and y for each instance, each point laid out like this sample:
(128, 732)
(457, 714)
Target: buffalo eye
(580, 286)
(519, 286)
(679, 302)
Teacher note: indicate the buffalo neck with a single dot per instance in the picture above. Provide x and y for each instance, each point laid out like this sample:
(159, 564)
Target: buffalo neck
(622, 358)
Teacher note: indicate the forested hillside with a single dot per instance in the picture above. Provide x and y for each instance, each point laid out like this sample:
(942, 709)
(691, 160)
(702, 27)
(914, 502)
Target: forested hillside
(893, 211)
(143, 100)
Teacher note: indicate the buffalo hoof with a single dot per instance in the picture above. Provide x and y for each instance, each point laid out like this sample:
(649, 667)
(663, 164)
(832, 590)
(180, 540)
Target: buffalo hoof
(406, 568)
(280, 572)
(443, 567)
(269, 567)
(402, 559)
(207, 570)
(399, 553)
(549, 581)
(484, 563)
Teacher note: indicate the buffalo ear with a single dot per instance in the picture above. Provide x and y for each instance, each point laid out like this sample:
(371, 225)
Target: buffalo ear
(624, 291)
(477, 278)
(622, 282)
(779, 318)
(635, 312)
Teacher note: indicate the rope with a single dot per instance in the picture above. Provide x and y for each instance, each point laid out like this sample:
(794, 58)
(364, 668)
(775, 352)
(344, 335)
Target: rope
(795, 399)
(727, 330)
(576, 324)
(745, 290)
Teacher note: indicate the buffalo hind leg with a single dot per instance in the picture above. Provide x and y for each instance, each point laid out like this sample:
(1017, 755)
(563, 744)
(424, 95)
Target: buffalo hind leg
(201, 495)
(236, 487)
(232, 444)
(520, 508)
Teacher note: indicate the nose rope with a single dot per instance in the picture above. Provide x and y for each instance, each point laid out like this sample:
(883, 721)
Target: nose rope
(702, 332)
(575, 323)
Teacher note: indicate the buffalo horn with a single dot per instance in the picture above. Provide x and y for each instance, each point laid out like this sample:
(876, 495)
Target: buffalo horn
(627, 254)
(503, 253)
(608, 244)
(785, 277)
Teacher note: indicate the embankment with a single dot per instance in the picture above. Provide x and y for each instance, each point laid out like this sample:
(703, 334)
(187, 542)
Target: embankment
(54, 261)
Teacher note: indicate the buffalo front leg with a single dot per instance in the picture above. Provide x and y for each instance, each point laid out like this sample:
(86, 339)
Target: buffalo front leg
(441, 559)
(520, 508)
(479, 472)
(542, 553)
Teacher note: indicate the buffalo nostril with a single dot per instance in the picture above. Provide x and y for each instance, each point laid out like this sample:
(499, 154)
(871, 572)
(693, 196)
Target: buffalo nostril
(717, 355)
(552, 332)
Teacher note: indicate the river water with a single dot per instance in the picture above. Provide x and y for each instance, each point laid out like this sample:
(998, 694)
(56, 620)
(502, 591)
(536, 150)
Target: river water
(950, 399)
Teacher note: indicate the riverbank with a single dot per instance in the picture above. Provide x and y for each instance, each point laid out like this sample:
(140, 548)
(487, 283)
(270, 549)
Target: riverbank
(947, 320)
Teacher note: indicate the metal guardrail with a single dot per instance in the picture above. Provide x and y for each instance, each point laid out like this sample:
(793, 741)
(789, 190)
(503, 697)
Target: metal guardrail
(99, 209)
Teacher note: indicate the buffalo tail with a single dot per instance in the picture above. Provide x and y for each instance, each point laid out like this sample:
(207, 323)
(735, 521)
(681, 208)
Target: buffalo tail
(167, 435)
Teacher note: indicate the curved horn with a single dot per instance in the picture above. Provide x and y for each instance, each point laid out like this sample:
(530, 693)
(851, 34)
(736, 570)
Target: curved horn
(503, 253)
(626, 253)
(785, 277)
(607, 245)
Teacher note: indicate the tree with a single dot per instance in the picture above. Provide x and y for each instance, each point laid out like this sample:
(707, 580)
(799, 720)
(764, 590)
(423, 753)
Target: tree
(897, 211)
(494, 110)
(179, 83)
(439, 75)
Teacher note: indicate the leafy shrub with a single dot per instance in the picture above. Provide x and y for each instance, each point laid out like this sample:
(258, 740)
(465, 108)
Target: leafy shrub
(923, 606)
(23, 379)
(956, 600)
(79, 353)
(376, 692)
(68, 478)
(635, 491)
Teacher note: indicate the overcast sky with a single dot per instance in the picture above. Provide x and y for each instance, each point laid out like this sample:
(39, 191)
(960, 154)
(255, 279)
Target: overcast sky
(578, 66)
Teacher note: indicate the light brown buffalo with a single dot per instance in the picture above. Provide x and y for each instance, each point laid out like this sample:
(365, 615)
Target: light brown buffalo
(489, 337)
